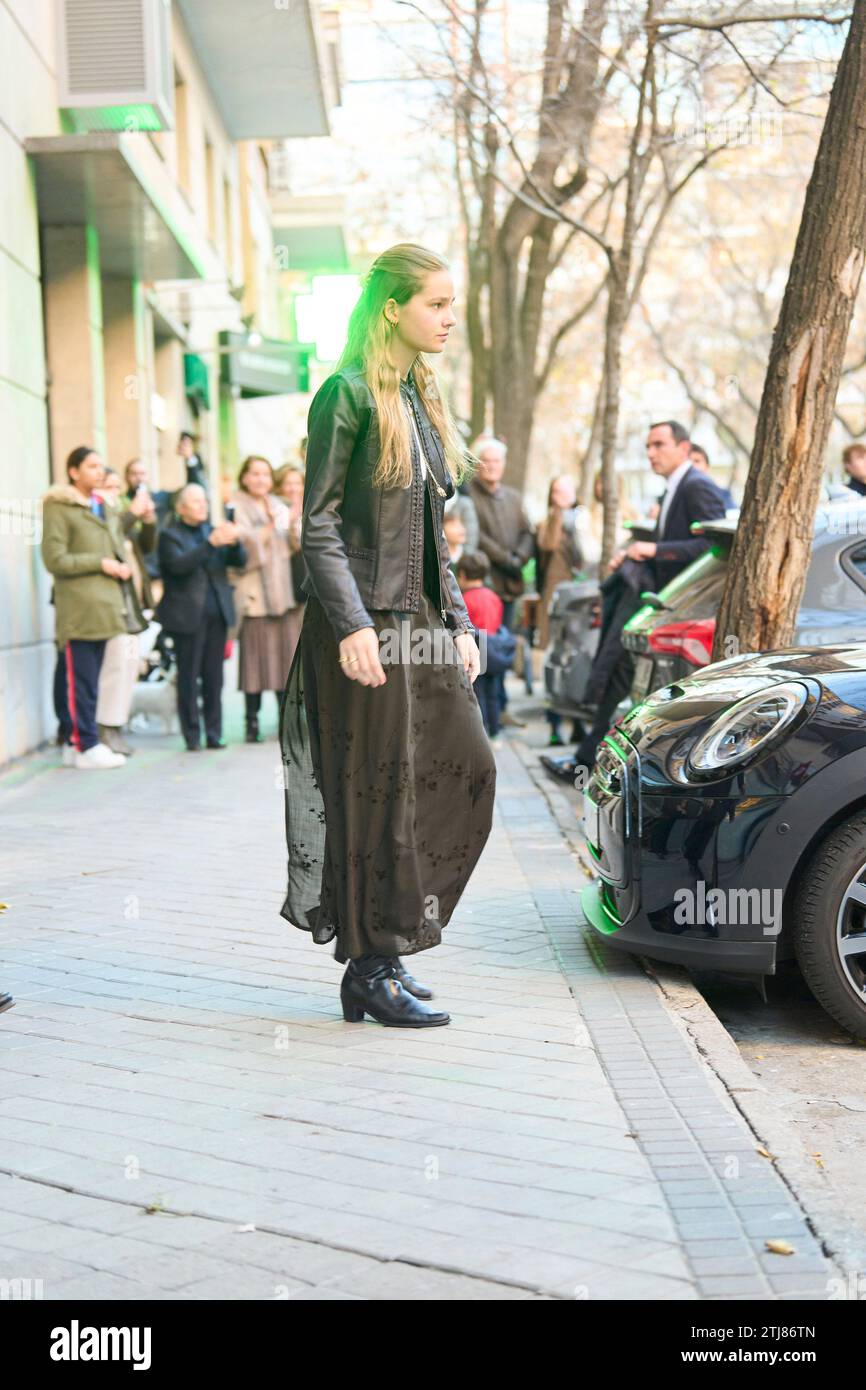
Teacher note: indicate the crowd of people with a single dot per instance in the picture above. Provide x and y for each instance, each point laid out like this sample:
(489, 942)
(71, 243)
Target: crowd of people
(122, 557)
(690, 495)
(511, 560)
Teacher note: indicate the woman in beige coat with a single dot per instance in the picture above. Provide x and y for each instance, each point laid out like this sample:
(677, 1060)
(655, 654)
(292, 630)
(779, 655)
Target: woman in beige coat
(558, 557)
(558, 549)
(122, 662)
(268, 611)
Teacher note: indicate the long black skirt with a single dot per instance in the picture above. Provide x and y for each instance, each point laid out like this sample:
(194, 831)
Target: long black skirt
(388, 789)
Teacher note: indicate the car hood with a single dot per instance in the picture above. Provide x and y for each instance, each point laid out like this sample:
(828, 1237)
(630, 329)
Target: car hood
(835, 678)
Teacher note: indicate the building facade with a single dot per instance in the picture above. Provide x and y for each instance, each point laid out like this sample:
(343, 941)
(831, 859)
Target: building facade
(136, 252)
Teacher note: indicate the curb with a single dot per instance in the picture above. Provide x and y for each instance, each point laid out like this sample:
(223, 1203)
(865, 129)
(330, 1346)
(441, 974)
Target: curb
(718, 1051)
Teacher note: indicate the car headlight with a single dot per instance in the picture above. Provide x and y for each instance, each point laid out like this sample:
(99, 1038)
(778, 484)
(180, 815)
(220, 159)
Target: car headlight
(744, 729)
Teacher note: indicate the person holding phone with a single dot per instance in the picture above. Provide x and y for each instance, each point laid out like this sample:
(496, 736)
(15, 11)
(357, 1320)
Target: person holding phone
(197, 609)
(389, 776)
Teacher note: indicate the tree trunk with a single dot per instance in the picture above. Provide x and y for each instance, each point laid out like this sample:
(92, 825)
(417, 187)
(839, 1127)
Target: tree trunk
(587, 464)
(619, 300)
(477, 346)
(617, 311)
(571, 98)
(514, 334)
(771, 550)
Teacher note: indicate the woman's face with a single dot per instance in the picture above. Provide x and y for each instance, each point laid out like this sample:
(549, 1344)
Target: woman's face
(88, 474)
(136, 473)
(257, 479)
(192, 507)
(563, 493)
(293, 489)
(110, 487)
(425, 321)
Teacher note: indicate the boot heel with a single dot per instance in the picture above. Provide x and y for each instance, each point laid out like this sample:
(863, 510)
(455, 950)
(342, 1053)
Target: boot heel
(352, 1012)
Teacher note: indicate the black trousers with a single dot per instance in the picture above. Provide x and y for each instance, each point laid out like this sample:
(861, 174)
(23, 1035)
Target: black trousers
(508, 610)
(613, 666)
(200, 658)
(76, 686)
(618, 686)
(487, 690)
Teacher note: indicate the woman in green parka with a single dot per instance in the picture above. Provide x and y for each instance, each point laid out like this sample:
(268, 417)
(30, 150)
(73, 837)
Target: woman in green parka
(83, 549)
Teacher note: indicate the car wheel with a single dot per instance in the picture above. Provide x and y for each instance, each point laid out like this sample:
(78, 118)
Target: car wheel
(829, 924)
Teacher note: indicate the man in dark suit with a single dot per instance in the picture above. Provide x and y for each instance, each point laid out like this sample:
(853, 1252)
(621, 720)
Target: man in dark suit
(197, 608)
(689, 496)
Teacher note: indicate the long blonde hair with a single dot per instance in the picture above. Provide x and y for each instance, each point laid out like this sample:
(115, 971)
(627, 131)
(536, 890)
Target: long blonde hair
(399, 273)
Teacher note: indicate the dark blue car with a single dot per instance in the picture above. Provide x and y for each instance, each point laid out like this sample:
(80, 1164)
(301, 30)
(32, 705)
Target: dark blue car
(726, 816)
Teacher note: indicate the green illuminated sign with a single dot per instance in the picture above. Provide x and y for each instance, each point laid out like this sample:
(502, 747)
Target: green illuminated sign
(131, 118)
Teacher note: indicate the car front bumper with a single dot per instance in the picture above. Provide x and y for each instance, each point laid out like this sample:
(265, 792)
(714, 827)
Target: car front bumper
(689, 876)
(696, 953)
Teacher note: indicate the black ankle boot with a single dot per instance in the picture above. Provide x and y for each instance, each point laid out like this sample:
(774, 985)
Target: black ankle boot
(408, 981)
(253, 703)
(380, 994)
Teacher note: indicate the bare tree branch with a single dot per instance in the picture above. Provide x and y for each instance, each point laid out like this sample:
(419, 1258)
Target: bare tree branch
(683, 22)
(699, 402)
(564, 328)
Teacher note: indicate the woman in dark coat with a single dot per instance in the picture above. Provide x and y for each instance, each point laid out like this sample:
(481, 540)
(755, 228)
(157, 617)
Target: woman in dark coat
(389, 776)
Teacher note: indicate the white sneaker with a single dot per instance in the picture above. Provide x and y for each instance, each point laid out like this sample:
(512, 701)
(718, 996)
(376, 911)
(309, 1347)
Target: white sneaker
(67, 757)
(97, 758)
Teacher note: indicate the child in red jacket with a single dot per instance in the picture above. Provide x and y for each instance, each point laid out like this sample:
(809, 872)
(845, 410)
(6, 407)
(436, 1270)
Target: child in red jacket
(485, 613)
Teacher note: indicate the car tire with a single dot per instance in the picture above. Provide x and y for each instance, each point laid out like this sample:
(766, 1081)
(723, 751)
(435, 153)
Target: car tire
(824, 893)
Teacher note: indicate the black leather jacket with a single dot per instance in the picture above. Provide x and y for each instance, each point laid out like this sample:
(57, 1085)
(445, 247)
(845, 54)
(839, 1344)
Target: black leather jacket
(364, 545)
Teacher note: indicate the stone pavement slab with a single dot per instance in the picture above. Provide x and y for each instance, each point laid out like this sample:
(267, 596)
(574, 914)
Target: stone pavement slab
(184, 1113)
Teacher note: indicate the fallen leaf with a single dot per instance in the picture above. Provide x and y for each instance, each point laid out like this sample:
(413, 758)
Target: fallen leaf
(780, 1247)
(765, 1153)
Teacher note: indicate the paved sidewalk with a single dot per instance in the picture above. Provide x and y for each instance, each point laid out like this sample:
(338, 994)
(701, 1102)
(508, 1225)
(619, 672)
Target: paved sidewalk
(184, 1114)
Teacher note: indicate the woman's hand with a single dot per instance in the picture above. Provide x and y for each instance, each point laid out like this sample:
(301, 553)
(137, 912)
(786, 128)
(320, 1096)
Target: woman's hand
(468, 653)
(142, 506)
(115, 569)
(359, 657)
(226, 533)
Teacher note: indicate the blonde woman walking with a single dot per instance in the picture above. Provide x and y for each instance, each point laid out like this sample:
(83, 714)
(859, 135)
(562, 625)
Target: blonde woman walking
(390, 778)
